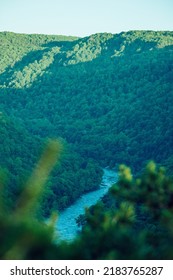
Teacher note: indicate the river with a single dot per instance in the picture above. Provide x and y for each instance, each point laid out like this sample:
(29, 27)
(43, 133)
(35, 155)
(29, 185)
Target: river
(66, 226)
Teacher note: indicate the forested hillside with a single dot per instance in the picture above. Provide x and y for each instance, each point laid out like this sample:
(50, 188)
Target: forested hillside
(108, 97)
(20, 152)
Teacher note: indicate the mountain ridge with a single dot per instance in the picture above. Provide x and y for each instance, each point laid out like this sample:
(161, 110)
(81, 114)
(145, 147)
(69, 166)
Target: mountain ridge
(89, 48)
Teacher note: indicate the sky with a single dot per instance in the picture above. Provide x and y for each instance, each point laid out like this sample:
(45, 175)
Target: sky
(85, 17)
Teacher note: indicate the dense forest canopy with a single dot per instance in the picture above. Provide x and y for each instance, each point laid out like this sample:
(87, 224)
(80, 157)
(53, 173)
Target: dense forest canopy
(108, 97)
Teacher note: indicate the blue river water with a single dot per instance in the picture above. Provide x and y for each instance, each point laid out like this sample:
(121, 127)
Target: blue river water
(66, 226)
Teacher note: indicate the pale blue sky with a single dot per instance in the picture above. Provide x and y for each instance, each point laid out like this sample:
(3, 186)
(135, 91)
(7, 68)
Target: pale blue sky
(85, 17)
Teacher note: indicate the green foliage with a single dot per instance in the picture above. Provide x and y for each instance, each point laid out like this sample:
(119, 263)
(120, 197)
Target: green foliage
(115, 233)
(15, 46)
(109, 99)
(115, 88)
(21, 234)
(107, 234)
(19, 153)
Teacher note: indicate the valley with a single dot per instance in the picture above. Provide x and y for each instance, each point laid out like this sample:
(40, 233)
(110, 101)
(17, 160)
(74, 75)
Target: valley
(107, 97)
(105, 100)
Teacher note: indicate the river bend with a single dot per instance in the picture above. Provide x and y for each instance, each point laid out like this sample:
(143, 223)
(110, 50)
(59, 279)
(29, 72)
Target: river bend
(66, 226)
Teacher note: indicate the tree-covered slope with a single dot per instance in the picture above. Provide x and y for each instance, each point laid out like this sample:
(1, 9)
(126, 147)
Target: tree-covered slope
(109, 95)
(20, 152)
(15, 46)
